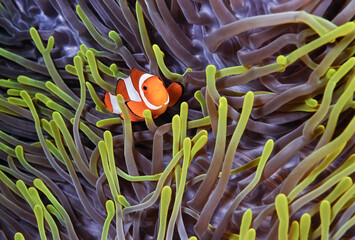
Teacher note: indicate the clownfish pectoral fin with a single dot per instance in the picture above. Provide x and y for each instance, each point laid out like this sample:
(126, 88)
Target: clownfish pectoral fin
(136, 110)
(175, 92)
(133, 117)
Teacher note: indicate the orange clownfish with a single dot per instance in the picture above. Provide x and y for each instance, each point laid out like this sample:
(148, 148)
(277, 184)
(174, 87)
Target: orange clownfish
(143, 91)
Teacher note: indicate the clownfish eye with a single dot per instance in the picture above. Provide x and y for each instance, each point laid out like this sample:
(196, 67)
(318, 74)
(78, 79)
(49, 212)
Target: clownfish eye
(145, 88)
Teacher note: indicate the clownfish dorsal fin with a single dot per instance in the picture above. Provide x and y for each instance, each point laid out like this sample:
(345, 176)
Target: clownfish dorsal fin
(175, 92)
(135, 76)
(122, 89)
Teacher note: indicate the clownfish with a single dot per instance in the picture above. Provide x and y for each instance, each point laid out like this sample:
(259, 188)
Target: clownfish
(143, 91)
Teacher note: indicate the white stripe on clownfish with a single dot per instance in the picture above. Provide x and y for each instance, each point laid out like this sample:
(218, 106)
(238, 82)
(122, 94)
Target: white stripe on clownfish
(115, 108)
(132, 92)
(142, 79)
(167, 100)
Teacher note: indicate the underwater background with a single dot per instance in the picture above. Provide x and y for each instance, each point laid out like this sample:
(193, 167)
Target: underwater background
(260, 146)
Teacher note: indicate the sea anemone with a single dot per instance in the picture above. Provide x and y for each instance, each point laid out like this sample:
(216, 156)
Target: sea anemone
(260, 146)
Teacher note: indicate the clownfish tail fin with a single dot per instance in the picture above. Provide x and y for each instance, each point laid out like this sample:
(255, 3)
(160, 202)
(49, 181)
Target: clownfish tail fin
(175, 91)
(107, 101)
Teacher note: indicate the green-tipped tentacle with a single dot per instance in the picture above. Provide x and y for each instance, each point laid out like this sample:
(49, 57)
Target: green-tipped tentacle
(281, 205)
(245, 224)
(163, 211)
(38, 211)
(110, 208)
